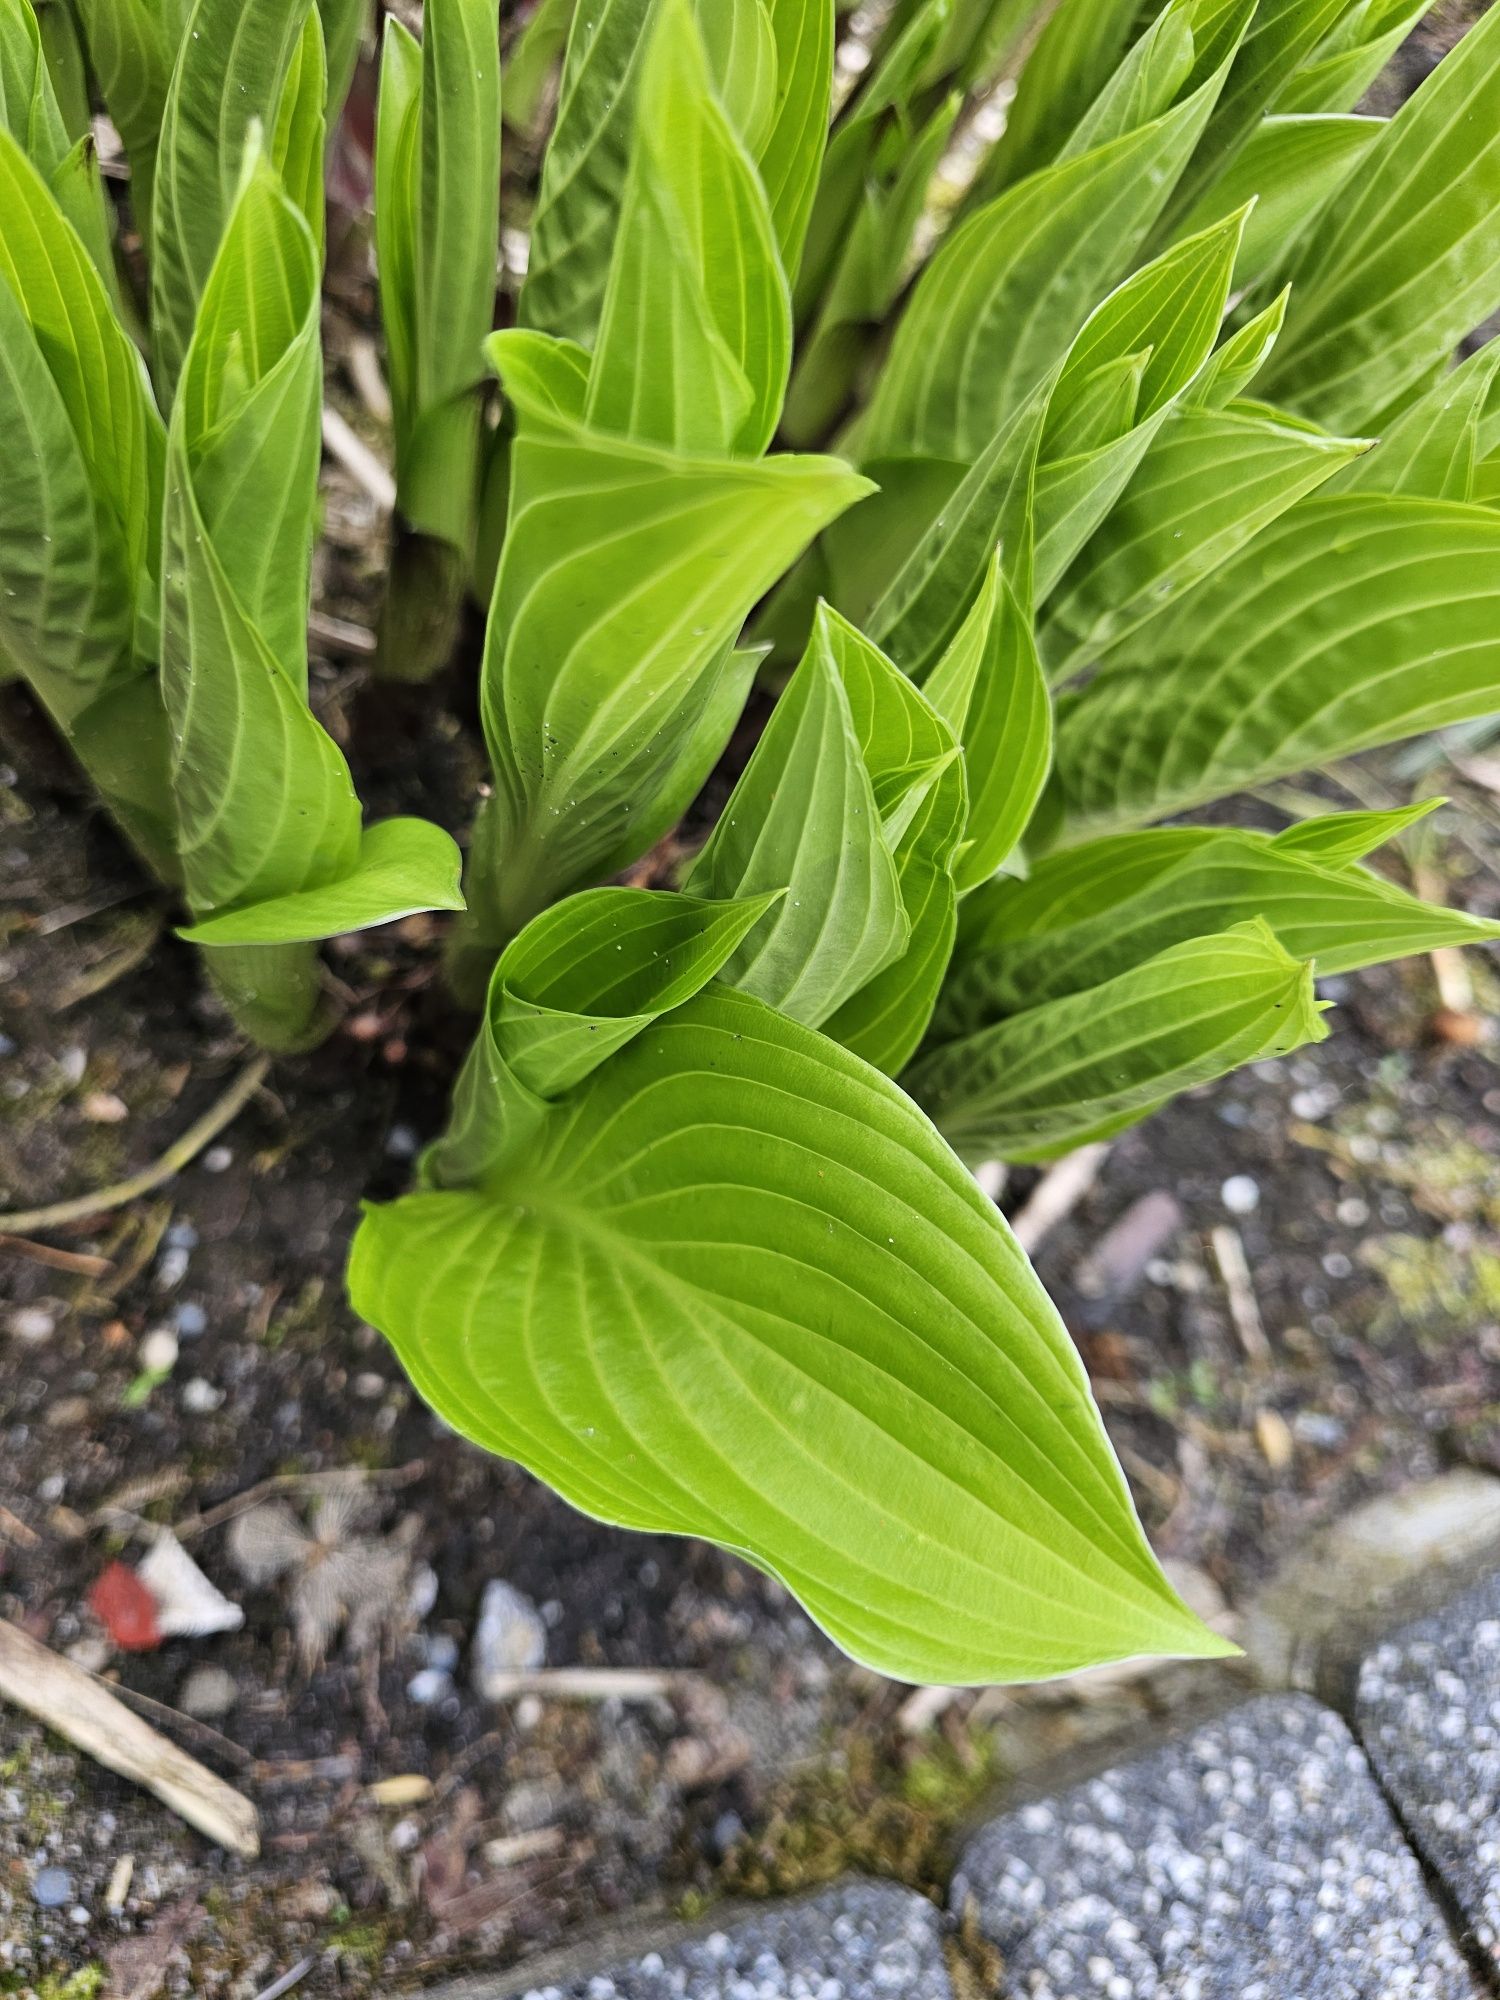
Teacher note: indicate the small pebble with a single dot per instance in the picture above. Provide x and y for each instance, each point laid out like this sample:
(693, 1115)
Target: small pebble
(190, 1320)
(429, 1686)
(171, 1267)
(32, 1324)
(218, 1160)
(1240, 1194)
(200, 1397)
(509, 1638)
(52, 1888)
(208, 1692)
(182, 1236)
(1353, 1212)
(102, 1107)
(442, 1651)
(158, 1351)
(401, 1142)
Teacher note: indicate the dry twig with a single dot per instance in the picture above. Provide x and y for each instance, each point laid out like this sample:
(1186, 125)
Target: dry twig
(78, 1708)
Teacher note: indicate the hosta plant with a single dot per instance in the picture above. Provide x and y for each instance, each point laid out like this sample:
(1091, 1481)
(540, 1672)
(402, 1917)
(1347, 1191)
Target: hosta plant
(1058, 474)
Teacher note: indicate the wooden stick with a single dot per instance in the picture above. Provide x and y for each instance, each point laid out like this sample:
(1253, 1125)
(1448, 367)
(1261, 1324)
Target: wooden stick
(178, 1155)
(586, 1684)
(1058, 1193)
(73, 1704)
(345, 444)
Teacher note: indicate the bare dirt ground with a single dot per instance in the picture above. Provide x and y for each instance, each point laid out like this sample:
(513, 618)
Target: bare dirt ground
(1286, 1288)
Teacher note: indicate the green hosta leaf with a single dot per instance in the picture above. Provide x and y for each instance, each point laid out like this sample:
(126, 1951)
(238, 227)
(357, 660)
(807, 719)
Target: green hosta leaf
(437, 189)
(1344, 66)
(1075, 55)
(346, 23)
(866, 278)
(532, 60)
(97, 371)
(1168, 312)
(626, 574)
(989, 689)
(1092, 912)
(68, 596)
(29, 110)
(1012, 287)
(1236, 362)
(1209, 481)
(1432, 450)
(1282, 35)
(264, 799)
(582, 980)
(1071, 1070)
(234, 60)
(66, 65)
(300, 141)
(1352, 621)
(808, 817)
(1291, 168)
(132, 46)
(805, 1334)
(583, 174)
(403, 866)
(695, 333)
(1407, 260)
(1338, 839)
(791, 156)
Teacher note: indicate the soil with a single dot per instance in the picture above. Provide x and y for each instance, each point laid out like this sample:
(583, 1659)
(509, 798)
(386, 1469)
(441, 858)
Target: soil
(1362, 1181)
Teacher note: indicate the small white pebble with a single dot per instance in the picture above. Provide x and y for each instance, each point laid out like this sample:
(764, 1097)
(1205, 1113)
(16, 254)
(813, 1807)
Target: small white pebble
(1240, 1194)
(200, 1397)
(218, 1160)
(158, 1351)
(32, 1324)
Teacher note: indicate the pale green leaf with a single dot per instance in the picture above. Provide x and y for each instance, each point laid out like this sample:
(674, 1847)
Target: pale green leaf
(990, 691)
(234, 59)
(1433, 448)
(695, 332)
(1407, 260)
(1042, 1082)
(735, 1286)
(1236, 362)
(1352, 621)
(791, 156)
(132, 46)
(1209, 481)
(300, 141)
(806, 818)
(532, 61)
(583, 173)
(626, 573)
(403, 866)
(1344, 66)
(1291, 168)
(1089, 913)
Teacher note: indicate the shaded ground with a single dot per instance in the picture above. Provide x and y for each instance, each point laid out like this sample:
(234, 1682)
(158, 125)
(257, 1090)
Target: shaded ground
(1363, 1190)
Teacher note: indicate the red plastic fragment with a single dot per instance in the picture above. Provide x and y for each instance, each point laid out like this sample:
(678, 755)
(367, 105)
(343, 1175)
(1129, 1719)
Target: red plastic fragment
(126, 1609)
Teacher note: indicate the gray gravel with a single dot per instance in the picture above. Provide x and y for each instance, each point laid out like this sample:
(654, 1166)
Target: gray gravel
(1253, 1859)
(860, 1941)
(1428, 1710)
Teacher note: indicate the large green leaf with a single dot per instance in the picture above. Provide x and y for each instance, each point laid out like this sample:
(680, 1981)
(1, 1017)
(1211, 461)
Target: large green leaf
(1343, 66)
(1209, 481)
(1070, 1070)
(695, 332)
(1352, 621)
(1407, 260)
(1283, 34)
(1075, 54)
(583, 174)
(1291, 168)
(1008, 291)
(403, 866)
(627, 571)
(1091, 912)
(734, 1285)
